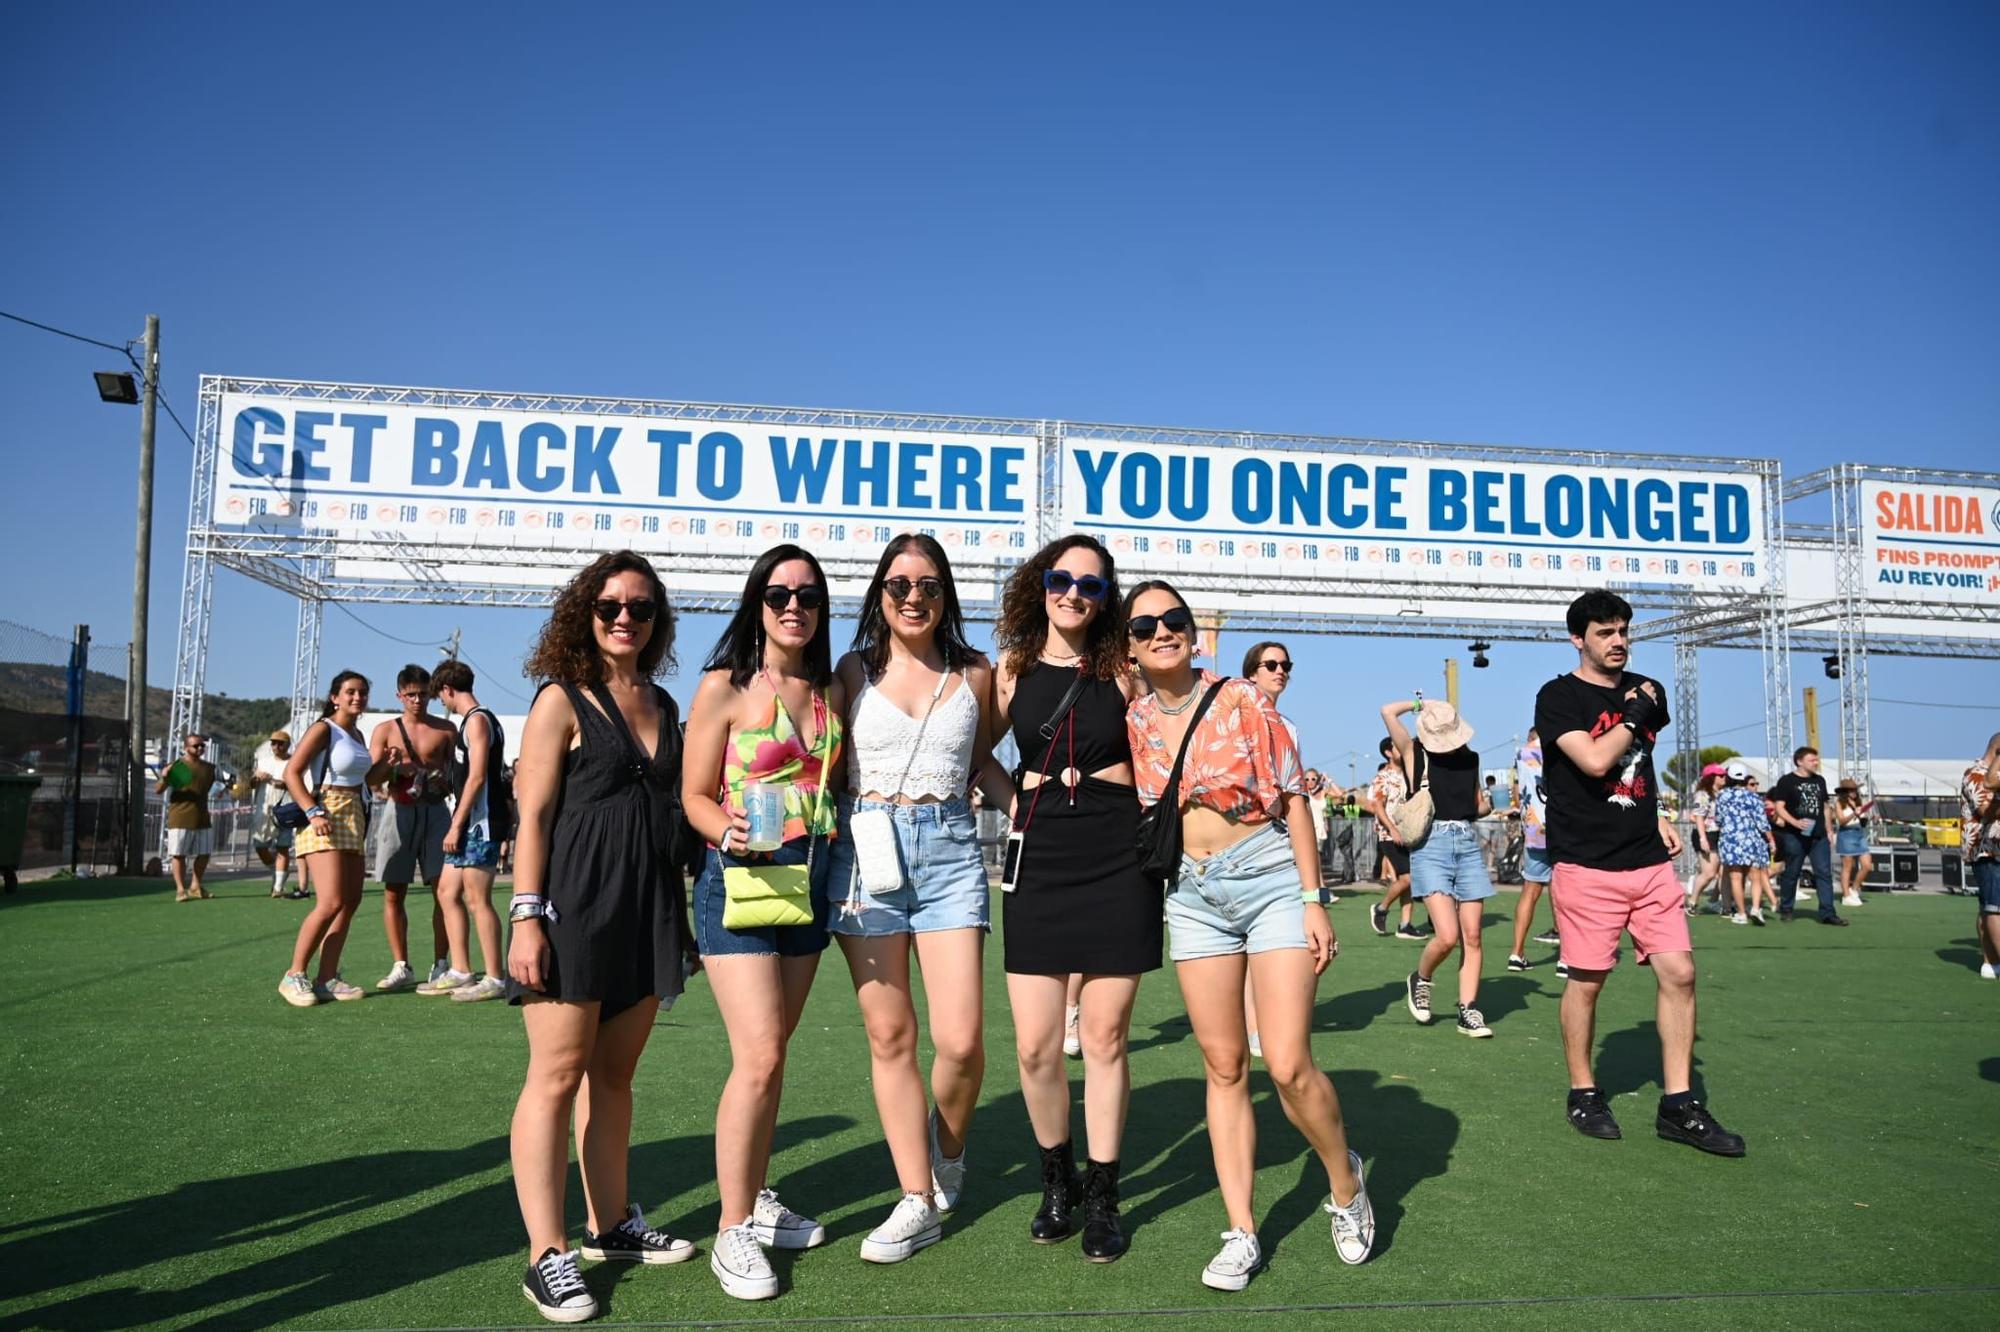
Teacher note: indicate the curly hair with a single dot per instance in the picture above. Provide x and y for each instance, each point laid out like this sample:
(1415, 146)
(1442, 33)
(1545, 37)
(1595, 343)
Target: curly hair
(1023, 625)
(871, 635)
(567, 653)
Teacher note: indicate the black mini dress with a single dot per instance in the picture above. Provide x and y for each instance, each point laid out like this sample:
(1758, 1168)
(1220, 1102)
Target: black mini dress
(1079, 903)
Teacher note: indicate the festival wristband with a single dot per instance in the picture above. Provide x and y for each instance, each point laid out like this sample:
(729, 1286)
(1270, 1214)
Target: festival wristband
(316, 812)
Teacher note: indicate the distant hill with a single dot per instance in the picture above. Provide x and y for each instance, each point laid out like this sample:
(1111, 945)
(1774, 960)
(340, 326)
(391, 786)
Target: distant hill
(242, 723)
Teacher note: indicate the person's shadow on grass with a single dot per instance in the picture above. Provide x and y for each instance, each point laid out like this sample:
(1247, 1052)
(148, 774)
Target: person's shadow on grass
(204, 1219)
(1630, 1059)
(1965, 959)
(1355, 1009)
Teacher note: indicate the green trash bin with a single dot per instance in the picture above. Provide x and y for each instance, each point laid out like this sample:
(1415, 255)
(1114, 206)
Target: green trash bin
(17, 791)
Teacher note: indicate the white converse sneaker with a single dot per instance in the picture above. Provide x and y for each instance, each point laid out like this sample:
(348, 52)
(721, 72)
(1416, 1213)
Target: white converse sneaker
(780, 1227)
(1073, 1031)
(947, 1172)
(486, 987)
(740, 1265)
(1988, 972)
(1231, 1269)
(554, 1286)
(400, 977)
(914, 1225)
(445, 984)
(1739, 919)
(1852, 899)
(1354, 1224)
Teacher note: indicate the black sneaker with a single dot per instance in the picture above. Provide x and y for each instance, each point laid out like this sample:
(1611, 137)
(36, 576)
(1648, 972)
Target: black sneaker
(554, 1286)
(1548, 937)
(1408, 932)
(633, 1241)
(1693, 1125)
(1417, 994)
(1833, 920)
(1784, 917)
(1562, 970)
(1590, 1114)
(1426, 930)
(1515, 962)
(1378, 919)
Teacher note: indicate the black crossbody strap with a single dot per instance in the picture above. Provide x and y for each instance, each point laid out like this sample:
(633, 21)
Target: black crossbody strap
(1172, 788)
(1070, 695)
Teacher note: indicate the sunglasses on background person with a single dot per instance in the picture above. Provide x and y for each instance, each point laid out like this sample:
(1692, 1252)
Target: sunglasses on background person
(810, 597)
(606, 610)
(1090, 587)
(1275, 664)
(1179, 620)
(899, 587)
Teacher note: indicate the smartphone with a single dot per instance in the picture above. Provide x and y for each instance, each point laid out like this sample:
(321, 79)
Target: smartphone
(1010, 862)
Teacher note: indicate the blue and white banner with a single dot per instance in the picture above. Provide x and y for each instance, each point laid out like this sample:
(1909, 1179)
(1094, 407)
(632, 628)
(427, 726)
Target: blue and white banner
(697, 486)
(1931, 543)
(1207, 509)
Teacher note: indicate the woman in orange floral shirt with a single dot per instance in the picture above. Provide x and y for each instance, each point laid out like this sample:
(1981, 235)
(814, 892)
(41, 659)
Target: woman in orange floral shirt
(1237, 904)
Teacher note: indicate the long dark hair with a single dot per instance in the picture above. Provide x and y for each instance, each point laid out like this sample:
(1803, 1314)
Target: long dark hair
(871, 636)
(1158, 585)
(566, 651)
(326, 704)
(1024, 612)
(737, 651)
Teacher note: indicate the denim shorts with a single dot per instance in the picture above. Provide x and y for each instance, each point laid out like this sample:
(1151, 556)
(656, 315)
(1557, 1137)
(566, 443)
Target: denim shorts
(1450, 861)
(944, 880)
(713, 939)
(1536, 867)
(1851, 842)
(473, 853)
(1243, 899)
(1986, 879)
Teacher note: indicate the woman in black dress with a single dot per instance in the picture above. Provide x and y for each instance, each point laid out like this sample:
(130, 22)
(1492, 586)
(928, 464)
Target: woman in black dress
(599, 915)
(1079, 904)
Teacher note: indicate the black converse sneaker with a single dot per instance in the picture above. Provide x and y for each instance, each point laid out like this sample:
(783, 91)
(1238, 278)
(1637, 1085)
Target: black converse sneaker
(554, 1286)
(1378, 919)
(633, 1241)
(1693, 1125)
(1515, 962)
(1471, 1022)
(1590, 1114)
(1417, 994)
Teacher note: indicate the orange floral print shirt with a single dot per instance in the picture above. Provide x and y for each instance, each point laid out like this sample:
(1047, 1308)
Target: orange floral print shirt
(1241, 762)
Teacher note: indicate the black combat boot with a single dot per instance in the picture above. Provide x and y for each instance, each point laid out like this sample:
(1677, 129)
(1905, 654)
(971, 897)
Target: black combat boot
(1103, 1238)
(1061, 1192)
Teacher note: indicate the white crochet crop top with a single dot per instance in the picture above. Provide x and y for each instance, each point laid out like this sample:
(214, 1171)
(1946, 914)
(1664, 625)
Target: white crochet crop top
(881, 736)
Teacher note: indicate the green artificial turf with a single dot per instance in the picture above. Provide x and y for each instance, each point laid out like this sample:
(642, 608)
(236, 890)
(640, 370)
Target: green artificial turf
(178, 1146)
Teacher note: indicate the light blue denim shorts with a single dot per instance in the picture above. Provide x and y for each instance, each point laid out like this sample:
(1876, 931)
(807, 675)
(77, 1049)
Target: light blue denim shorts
(944, 880)
(1450, 861)
(1536, 867)
(1243, 899)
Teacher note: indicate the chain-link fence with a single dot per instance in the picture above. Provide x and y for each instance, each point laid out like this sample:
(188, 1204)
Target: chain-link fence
(62, 706)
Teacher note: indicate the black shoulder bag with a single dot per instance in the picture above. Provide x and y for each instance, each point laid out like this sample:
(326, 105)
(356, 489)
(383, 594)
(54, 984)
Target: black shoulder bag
(286, 813)
(1158, 841)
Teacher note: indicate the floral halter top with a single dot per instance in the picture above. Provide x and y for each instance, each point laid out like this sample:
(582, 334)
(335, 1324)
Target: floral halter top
(771, 751)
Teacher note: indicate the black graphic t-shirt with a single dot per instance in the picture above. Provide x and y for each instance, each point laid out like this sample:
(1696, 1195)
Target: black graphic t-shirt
(1804, 798)
(1609, 822)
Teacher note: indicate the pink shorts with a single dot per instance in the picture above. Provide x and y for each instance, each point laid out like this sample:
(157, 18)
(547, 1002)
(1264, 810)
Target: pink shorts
(1594, 905)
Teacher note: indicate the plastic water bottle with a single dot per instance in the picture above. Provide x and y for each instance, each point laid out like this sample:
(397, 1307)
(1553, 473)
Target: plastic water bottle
(764, 806)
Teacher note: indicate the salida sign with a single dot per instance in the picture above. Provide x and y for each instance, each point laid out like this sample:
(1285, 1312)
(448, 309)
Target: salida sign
(1931, 543)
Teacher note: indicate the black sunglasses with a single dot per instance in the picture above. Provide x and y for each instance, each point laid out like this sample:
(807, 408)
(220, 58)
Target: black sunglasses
(606, 610)
(1284, 666)
(899, 587)
(1090, 587)
(1179, 620)
(810, 597)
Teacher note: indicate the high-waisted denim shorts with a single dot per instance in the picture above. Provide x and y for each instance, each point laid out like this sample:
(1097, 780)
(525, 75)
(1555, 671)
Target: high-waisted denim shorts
(1450, 861)
(944, 880)
(1243, 899)
(714, 939)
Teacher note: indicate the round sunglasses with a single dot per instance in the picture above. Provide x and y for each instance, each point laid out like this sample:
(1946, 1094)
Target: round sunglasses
(606, 610)
(1090, 587)
(899, 587)
(1179, 620)
(810, 597)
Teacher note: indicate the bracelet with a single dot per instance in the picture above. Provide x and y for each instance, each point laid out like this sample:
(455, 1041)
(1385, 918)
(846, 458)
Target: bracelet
(316, 812)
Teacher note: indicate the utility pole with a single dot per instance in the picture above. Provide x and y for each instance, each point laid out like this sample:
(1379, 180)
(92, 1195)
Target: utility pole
(1451, 681)
(142, 578)
(1812, 716)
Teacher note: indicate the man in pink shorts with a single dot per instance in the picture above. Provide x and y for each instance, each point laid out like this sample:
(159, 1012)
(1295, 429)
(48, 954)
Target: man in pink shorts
(1613, 857)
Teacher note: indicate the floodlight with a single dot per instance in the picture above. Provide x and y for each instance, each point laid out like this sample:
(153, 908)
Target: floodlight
(115, 386)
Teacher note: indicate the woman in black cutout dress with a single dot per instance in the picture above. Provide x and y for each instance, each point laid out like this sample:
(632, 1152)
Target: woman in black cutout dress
(599, 915)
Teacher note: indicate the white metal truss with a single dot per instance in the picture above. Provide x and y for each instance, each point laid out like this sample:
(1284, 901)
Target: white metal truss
(305, 660)
(1773, 630)
(1687, 716)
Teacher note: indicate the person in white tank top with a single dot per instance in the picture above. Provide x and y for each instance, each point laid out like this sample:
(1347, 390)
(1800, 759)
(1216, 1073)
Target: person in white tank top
(919, 732)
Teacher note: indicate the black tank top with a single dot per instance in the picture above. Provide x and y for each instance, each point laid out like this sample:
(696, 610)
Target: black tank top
(1454, 781)
(1095, 725)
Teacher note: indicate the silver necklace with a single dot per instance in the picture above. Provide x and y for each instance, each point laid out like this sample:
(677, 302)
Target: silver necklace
(1176, 709)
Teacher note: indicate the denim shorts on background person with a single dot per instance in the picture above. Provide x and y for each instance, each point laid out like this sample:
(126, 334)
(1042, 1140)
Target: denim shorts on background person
(1851, 842)
(944, 879)
(713, 939)
(1986, 878)
(1243, 899)
(1450, 861)
(1536, 867)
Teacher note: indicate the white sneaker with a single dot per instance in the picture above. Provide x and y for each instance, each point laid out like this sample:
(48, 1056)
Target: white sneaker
(486, 987)
(1852, 899)
(1739, 919)
(438, 969)
(446, 983)
(947, 1172)
(915, 1224)
(740, 1265)
(1231, 1269)
(1986, 972)
(1073, 1031)
(1354, 1224)
(297, 988)
(780, 1227)
(400, 977)
(1256, 1045)
(339, 989)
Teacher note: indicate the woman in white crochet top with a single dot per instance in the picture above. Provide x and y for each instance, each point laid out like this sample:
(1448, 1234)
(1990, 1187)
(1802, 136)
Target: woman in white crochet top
(906, 867)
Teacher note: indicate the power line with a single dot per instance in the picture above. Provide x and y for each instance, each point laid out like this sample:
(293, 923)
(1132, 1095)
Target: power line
(407, 642)
(481, 674)
(65, 333)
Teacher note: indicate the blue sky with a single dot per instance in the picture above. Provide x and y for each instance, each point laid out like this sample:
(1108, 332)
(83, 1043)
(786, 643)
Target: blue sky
(1745, 230)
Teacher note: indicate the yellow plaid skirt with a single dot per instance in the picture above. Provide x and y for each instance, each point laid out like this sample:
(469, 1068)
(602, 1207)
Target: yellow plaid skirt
(349, 817)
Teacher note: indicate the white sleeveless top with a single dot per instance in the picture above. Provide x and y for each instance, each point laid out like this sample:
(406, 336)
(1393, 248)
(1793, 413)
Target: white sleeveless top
(347, 761)
(881, 736)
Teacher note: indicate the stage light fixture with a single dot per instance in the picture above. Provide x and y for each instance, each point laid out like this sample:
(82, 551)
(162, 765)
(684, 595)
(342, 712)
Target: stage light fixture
(1479, 659)
(114, 386)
